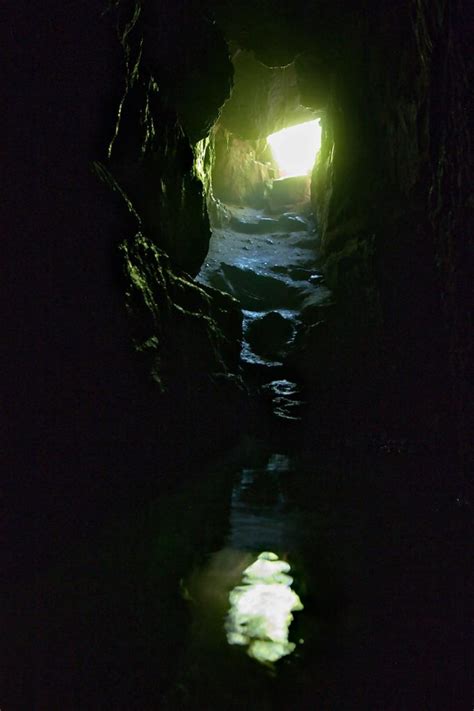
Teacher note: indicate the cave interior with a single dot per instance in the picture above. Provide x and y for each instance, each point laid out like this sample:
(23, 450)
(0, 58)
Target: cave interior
(226, 363)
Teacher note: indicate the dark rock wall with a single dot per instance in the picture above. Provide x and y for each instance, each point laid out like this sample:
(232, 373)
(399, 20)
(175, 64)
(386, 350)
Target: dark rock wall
(152, 160)
(70, 388)
(392, 193)
(450, 199)
(83, 411)
(184, 48)
(186, 332)
(149, 154)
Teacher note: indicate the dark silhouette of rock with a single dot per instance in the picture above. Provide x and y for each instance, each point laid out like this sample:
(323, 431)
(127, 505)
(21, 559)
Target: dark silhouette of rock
(269, 335)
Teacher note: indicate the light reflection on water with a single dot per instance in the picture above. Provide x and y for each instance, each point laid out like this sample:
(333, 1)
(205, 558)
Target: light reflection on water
(260, 609)
(243, 591)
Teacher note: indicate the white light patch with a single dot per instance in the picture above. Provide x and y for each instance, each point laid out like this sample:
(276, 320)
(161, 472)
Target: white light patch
(260, 609)
(294, 149)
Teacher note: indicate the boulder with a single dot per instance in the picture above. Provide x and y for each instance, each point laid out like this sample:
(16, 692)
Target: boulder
(290, 222)
(254, 290)
(289, 191)
(261, 225)
(268, 336)
(239, 177)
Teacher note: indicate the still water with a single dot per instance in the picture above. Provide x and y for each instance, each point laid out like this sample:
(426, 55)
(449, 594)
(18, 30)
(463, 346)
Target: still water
(325, 589)
(250, 575)
(271, 615)
(279, 577)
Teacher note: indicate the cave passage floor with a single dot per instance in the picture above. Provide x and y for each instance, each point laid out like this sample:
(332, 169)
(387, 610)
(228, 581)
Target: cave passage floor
(269, 263)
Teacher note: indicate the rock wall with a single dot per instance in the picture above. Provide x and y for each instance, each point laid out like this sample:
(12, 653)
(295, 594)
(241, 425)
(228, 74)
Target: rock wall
(94, 333)
(393, 229)
(263, 99)
(186, 332)
(240, 174)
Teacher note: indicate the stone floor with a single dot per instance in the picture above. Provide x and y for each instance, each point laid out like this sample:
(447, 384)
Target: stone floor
(270, 264)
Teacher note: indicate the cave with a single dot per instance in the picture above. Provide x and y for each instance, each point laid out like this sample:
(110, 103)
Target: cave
(263, 248)
(237, 443)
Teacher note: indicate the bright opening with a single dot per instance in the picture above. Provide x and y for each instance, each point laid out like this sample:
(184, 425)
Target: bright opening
(294, 149)
(260, 609)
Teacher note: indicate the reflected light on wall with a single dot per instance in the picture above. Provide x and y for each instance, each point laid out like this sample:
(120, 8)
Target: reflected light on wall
(294, 149)
(260, 609)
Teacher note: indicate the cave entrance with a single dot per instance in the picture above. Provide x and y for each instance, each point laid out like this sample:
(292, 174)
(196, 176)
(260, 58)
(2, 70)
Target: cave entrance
(265, 140)
(264, 246)
(295, 148)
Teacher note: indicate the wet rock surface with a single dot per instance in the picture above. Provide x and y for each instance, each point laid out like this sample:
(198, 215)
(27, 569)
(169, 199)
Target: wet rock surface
(266, 263)
(286, 400)
(269, 264)
(268, 335)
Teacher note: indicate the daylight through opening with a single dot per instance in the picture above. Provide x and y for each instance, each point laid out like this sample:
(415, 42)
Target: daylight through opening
(294, 149)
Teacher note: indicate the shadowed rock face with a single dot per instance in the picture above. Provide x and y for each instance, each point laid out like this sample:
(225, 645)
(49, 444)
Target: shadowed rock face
(187, 53)
(180, 327)
(151, 158)
(184, 332)
(389, 123)
(101, 309)
(263, 100)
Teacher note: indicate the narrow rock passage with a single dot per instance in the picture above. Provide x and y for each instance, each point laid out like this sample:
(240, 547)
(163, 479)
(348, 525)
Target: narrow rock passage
(269, 263)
